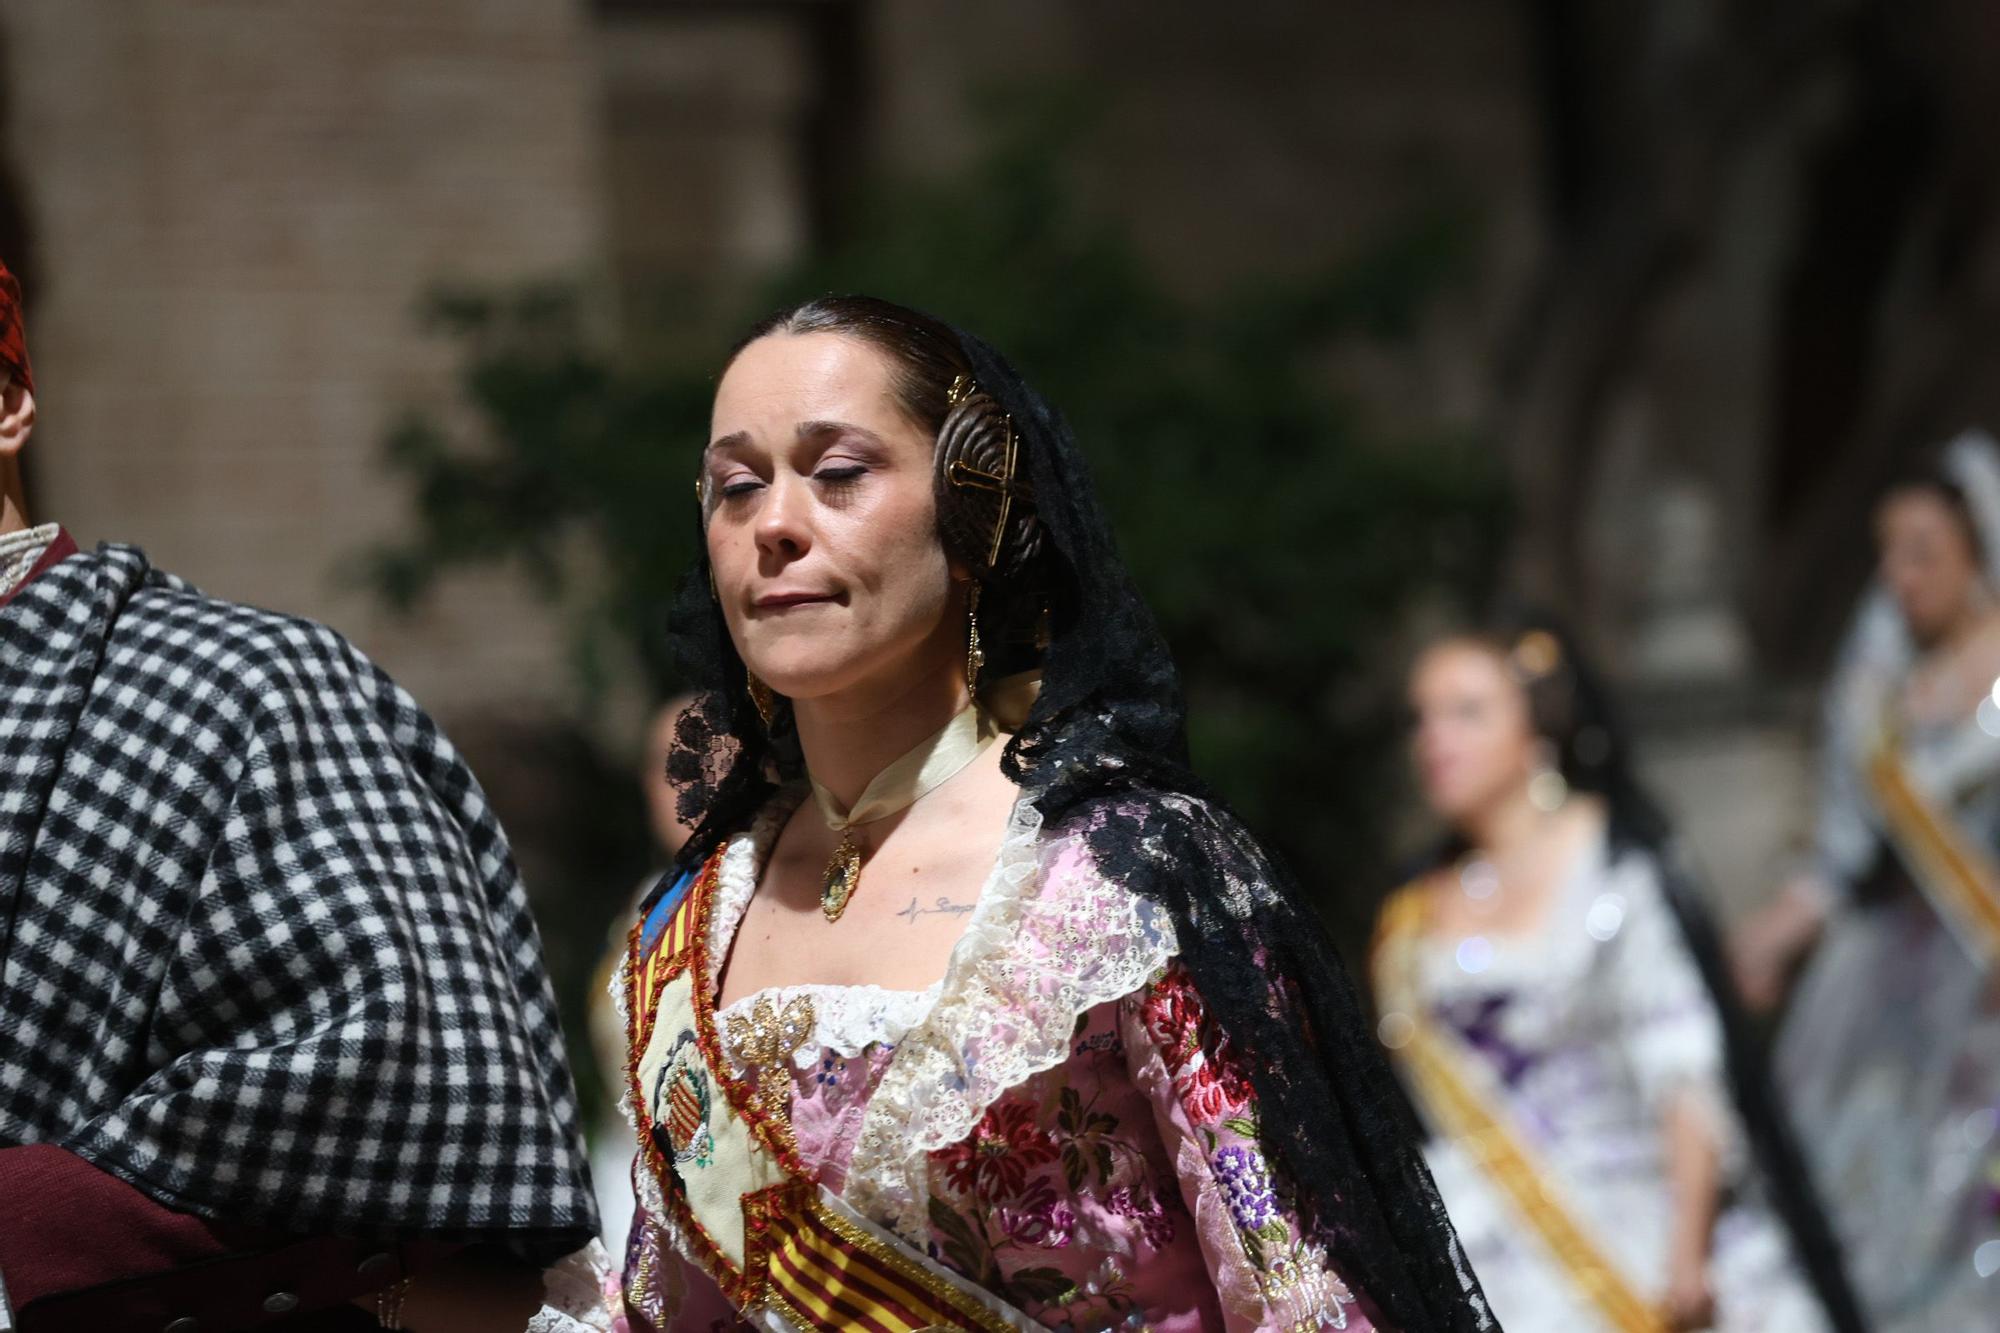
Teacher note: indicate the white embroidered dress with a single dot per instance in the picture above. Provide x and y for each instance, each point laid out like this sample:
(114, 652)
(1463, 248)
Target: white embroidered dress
(1588, 1029)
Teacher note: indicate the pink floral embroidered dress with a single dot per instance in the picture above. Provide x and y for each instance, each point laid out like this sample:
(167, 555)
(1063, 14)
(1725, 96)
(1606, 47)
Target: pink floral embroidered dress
(1057, 1120)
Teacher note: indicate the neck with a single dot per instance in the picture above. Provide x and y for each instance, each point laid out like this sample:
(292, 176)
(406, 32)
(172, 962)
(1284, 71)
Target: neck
(850, 737)
(13, 503)
(1962, 626)
(1507, 825)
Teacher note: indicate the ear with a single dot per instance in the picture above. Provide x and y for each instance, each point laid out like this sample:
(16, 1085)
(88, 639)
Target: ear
(17, 416)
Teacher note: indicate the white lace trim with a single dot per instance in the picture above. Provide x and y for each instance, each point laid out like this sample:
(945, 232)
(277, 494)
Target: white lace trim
(573, 1295)
(736, 878)
(1051, 939)
(1039, 951)
(847, 1020)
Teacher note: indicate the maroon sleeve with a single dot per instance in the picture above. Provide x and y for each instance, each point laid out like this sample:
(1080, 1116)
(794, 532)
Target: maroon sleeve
(81, 1249)
(13, 337)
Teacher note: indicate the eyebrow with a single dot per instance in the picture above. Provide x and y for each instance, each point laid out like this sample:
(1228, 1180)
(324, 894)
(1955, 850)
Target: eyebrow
(811, 429)
(807, 430)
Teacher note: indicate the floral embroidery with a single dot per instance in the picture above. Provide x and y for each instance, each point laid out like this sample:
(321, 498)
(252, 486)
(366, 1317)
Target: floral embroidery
(1304, 1284)
(963, 1241)
(1038, 1218)
(1209, 1096)
(1480, 1021)
(1107, 1284)
(1289, 1267)
(831, 1067)
(1101, 1043)
(1246, 1187)
(1173, 1013)
(1009, 1198)
(1088, 1141)
(994, 1160)
(1148, 1208)
(1206, 1077)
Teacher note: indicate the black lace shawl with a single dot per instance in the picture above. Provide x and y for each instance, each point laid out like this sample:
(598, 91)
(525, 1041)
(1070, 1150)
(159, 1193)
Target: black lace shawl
(1105, 748)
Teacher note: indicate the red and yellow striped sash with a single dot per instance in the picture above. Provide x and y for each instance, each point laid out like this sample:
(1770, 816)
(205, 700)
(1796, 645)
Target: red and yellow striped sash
(805, 1255)
(669, 954)
(824, 1269)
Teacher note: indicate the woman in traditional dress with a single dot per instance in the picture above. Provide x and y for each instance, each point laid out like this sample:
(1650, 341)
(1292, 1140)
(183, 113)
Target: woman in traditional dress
(1890, 1052)
(967, 1006)
(1551, 993)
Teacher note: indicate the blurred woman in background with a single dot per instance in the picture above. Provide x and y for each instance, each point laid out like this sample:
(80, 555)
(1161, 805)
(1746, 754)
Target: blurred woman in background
(1890, 1054)
(1546, 986)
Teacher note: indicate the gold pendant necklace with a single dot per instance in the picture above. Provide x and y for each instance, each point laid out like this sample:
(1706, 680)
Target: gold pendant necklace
(934, 762)
(843, 872)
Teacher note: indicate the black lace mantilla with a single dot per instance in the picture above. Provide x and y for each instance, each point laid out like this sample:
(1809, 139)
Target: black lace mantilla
(1105, 745)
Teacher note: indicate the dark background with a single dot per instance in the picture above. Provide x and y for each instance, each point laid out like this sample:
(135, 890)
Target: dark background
(405, 316)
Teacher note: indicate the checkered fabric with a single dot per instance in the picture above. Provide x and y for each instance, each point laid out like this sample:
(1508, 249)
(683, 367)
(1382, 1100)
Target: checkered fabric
(263, 950)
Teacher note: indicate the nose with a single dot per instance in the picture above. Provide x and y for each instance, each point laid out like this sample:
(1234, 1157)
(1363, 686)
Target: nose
(784, 526)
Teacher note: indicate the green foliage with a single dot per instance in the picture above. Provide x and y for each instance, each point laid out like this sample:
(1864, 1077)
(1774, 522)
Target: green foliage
(1279, 542)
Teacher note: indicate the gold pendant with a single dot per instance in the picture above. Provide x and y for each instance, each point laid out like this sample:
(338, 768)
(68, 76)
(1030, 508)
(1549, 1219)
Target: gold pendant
(842, 873)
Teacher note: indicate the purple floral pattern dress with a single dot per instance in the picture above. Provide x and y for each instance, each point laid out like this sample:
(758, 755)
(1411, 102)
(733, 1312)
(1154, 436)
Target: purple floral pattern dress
(1058, 1120)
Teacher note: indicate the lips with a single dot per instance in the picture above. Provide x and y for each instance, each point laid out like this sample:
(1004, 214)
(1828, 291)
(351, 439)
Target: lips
(785, 601)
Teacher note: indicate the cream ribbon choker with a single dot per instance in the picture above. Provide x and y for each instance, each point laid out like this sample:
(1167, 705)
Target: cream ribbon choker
(935, 761)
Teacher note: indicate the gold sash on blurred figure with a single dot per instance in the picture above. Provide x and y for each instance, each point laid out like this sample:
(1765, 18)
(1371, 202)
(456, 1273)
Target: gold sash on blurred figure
(1456, 1096)
(1956, 876)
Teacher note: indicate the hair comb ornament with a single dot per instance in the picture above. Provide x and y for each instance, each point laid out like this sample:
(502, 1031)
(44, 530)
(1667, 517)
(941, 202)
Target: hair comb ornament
(986, 505)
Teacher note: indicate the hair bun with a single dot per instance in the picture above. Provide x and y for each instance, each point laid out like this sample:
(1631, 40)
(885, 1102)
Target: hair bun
(985, 504)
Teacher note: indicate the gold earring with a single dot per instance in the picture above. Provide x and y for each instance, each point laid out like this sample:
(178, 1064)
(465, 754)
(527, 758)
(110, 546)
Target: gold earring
(1547, 788)
(760, 695)
(975, 656)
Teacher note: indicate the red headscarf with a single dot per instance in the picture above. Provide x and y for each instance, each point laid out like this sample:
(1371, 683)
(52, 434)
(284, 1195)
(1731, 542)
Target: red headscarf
(13, 337)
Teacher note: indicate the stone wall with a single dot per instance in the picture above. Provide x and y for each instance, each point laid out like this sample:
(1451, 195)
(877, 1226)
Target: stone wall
(236, 205)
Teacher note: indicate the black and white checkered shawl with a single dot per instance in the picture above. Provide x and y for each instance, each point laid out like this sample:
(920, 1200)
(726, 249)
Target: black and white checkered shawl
(263, 950)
